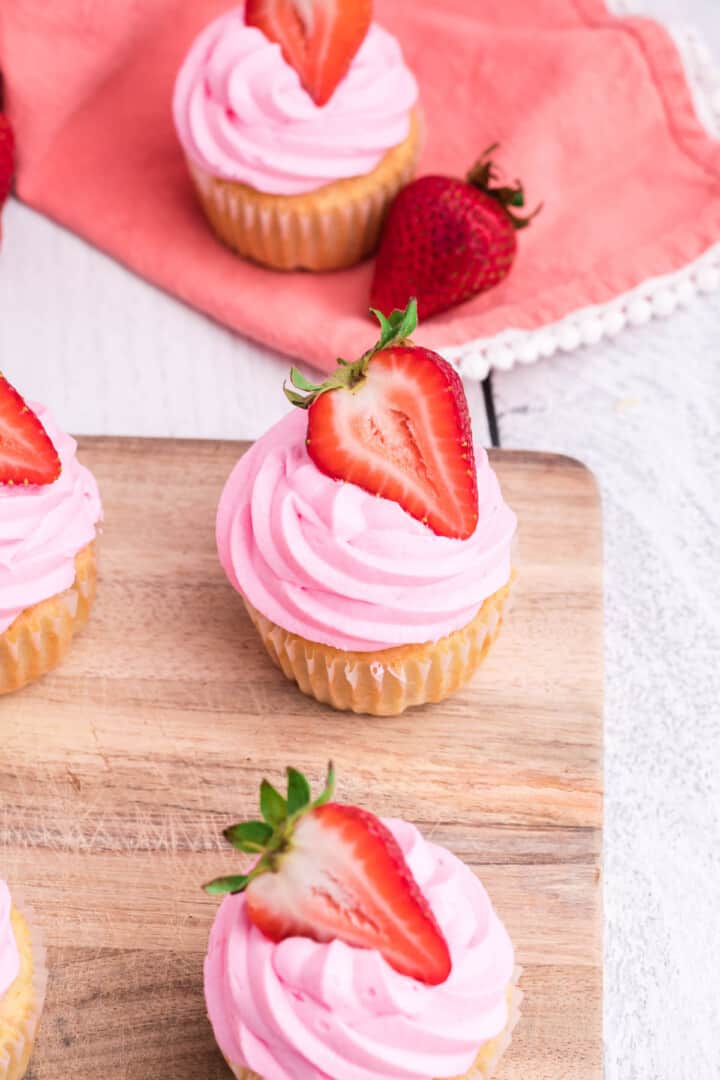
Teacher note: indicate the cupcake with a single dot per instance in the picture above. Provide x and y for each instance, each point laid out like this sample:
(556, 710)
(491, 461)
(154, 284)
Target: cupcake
(298, 134)
(354, 948)
(22, 987)
(49, 511)
(370, 542)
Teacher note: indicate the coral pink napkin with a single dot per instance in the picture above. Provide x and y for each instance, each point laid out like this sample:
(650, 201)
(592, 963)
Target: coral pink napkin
(593, 112)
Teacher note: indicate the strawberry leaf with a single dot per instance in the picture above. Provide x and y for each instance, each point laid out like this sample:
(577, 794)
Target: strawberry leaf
(483, 176)
(223, 885)
(298, 796)
(298, 379)
(329, 791)
(249, 836)
(407, 325)
(302, 402)
(272, 805)
(386, 327)
(269, 837)
(395, 328)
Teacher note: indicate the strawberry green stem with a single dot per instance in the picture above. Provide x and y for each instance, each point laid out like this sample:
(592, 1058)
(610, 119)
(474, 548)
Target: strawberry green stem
(484, 175)
(394, 329)
(271, 836)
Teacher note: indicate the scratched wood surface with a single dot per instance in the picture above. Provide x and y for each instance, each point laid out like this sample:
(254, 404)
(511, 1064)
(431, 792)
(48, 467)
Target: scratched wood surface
(118, 772)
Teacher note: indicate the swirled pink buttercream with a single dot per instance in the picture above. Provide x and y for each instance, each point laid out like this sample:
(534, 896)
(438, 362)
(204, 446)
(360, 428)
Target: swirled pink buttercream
(42, 529)
(9, 955)
(300, 1010)
(242, 114)
(336, 565)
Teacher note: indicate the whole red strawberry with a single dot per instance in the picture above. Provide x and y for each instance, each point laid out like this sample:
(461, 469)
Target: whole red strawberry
(7, 158)
(331, 872)
(446, 240)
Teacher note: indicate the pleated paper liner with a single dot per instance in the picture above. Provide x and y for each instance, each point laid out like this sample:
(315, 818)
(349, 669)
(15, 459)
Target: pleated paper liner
(21, 1006)
(387, 682)
(328, 229)
(41, 635)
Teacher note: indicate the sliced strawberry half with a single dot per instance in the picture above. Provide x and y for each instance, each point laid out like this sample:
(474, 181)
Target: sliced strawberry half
(396, 423)
(330, 872)
(319, 38)
(27, 455)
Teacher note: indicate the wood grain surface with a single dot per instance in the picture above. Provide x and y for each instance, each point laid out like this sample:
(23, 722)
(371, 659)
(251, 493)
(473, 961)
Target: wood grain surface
(119, 771)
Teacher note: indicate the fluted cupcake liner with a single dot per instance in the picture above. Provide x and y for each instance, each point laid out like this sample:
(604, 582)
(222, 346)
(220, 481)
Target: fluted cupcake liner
(387, 682)
(22, 1005)
(42, 634)
(486, 1064)
(328, 229)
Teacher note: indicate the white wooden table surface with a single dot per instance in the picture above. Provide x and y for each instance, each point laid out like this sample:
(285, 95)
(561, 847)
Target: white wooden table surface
(112, 355)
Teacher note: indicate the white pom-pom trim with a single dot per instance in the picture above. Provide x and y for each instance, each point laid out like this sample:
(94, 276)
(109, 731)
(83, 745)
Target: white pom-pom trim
(656, 298)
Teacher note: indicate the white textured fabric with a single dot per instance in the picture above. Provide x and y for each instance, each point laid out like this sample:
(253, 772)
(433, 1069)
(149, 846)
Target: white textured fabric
(644, 414)
(657, 297)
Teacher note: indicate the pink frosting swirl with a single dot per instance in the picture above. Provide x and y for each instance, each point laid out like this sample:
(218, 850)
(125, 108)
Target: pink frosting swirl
(9, 955)
(43, 528)
(300, 1010)
(336, 565)
(242, 114)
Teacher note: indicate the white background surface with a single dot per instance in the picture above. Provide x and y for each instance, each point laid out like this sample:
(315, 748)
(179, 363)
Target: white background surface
(114, 355)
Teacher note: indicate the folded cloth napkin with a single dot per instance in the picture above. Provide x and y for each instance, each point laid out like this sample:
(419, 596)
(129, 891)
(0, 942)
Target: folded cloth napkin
(593, 113)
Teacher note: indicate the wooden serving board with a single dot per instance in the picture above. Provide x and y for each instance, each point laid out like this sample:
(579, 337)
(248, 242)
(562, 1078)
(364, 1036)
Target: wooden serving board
(119, 771)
